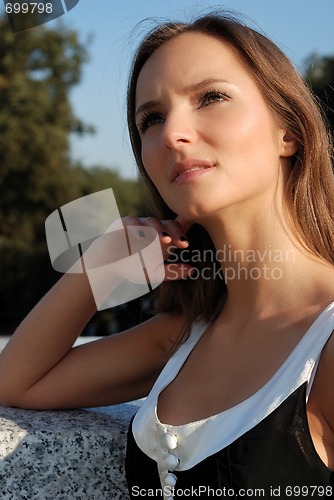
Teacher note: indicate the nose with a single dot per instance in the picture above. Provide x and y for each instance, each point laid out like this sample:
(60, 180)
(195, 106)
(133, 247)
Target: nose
(178, 130)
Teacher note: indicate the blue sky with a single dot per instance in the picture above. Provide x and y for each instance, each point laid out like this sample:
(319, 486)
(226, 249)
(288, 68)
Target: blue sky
(299, 27)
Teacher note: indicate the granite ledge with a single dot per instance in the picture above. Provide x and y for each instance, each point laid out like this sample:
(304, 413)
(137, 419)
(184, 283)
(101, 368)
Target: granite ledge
(65, 455)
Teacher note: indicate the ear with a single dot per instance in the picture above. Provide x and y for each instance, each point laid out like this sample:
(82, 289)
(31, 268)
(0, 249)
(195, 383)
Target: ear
(288, 144)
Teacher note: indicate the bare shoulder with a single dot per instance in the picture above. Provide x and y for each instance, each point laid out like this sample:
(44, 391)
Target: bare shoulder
(130, 361)
(161, 330)
(153, 338)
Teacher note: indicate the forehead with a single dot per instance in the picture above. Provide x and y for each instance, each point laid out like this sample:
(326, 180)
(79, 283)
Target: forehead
(188, 58)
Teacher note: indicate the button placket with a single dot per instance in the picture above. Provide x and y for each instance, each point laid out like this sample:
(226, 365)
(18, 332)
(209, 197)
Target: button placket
(169, 441)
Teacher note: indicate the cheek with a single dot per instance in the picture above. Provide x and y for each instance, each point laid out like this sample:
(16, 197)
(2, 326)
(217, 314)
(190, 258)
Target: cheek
(145, 156)
(151, 161)
(252, 137)
(249, 153)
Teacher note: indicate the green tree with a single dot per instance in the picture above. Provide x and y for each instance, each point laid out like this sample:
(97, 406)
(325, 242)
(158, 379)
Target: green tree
(128, 194)
(319, 74)
(38, 67)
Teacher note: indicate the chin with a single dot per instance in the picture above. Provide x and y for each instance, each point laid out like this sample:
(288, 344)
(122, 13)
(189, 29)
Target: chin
(193, 212)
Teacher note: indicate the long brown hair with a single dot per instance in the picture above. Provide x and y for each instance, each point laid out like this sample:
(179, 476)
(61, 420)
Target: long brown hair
(310, 188)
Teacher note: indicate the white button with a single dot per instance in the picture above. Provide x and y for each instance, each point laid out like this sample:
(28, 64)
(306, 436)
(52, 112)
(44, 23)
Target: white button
(170, 480)
(171, 462)
(170, 440)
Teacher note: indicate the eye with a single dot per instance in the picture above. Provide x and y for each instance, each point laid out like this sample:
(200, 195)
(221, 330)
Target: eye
(212, 97)
(148, 119)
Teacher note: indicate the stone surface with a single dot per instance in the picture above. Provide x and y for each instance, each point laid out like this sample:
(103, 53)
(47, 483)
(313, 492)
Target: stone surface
(64, 454)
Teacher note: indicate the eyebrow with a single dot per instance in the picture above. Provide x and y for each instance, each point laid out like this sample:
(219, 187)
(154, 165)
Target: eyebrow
(187, 90)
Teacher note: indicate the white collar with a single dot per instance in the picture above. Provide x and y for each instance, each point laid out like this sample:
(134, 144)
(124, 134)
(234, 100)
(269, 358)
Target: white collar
(218, 431)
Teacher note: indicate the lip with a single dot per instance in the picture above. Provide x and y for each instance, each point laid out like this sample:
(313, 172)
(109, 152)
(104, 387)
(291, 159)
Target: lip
(182, 171)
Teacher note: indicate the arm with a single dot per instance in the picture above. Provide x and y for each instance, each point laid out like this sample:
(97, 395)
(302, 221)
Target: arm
(321, 405)
(325, 385)
(40, 369)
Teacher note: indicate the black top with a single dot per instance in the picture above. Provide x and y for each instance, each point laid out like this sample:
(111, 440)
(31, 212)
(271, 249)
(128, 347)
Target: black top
(276, 458)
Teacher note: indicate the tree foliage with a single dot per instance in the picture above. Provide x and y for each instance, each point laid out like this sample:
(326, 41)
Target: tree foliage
(127, 192)
(319, 74)
(38, 68)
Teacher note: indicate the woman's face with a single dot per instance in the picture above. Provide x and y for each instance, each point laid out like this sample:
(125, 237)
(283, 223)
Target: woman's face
(209, 140)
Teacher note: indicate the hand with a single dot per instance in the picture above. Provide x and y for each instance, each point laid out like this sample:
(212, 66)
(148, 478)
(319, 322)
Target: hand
(172, 234)
(124, 238)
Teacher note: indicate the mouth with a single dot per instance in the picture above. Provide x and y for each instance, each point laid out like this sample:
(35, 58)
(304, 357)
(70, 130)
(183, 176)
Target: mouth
(189, 169)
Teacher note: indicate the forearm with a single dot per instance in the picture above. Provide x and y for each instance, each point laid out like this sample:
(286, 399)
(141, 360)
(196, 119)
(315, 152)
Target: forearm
(46, 334)
(38, 363)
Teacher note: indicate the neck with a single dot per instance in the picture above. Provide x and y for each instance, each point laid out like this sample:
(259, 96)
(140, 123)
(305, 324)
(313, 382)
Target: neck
(265, 267)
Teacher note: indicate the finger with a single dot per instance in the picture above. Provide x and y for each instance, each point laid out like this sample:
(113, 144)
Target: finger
(151, 222)
(171, 233)
(177, 236)
(167, 229)
(177, 229)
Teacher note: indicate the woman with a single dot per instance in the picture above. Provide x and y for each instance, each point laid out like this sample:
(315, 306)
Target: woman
(237, 157)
